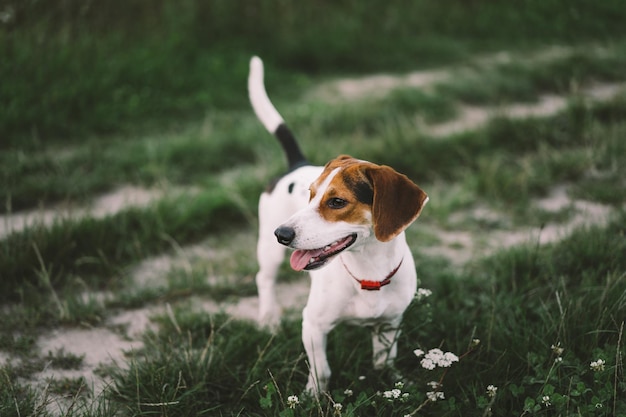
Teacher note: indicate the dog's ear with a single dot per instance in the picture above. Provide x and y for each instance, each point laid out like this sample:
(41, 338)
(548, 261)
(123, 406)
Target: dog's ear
(397, 201)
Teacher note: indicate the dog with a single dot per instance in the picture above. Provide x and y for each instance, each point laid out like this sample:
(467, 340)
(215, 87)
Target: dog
(345, 223)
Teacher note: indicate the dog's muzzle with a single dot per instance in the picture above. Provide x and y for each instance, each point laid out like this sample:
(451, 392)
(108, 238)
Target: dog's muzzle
(310, 259)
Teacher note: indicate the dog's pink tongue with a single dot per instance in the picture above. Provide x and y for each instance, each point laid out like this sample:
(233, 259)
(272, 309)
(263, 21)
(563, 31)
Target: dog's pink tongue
(300, 258)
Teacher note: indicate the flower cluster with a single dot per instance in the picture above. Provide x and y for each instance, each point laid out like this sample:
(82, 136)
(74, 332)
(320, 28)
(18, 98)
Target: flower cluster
(396, 393)
(292, 401)
(598, 365)
(435, 395)
(557, 349)
(436, 358)
(422, 293)
(392, 394)
(491, 391)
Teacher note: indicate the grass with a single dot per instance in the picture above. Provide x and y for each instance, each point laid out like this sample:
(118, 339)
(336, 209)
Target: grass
(104, 95)
(39, 257)
(74, 70)
(38, 176)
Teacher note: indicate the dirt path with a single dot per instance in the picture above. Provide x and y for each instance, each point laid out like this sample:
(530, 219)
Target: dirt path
(460, 246)
(107, 204)
(473, 117)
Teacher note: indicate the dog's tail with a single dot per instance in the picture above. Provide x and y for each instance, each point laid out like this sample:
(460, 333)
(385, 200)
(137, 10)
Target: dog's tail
(269, 116)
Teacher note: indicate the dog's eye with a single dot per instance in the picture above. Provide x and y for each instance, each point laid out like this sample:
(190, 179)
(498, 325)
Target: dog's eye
(336, 203)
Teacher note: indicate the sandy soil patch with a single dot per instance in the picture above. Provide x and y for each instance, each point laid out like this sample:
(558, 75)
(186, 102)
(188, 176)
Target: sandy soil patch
(105, 205)
(473, 117)
(98, 346)
(461, 246)
(378, 85)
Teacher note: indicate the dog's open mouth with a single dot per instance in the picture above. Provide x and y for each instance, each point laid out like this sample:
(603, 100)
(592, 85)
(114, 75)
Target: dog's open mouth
(315, 258)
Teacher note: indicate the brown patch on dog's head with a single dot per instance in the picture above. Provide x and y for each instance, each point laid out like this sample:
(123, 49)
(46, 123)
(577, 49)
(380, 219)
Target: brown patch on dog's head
(361, 187)
(348, 196)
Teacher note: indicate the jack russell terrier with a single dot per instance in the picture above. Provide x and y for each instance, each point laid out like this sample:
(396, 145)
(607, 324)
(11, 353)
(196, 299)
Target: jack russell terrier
(345, 222)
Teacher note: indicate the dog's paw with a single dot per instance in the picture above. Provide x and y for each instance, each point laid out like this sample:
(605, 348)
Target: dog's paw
(315, 388)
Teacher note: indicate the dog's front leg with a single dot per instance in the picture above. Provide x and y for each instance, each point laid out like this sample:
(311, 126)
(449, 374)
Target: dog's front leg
(385, 344)
(314, 338)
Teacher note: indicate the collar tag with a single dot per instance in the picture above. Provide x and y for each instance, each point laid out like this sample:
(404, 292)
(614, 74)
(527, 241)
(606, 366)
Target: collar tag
(373, 285)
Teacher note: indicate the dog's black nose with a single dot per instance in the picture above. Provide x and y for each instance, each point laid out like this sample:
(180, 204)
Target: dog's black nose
(285, 235)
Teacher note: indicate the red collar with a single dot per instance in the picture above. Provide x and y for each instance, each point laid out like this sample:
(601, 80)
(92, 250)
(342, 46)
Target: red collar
(373, 285)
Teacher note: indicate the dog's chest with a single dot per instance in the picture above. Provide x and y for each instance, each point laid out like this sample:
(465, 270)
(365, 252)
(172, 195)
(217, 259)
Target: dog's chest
(373, 307)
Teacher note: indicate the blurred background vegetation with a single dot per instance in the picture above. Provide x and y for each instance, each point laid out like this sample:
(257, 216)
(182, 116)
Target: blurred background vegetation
(72, 68)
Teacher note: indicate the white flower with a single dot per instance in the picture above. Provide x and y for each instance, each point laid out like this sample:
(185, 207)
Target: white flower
(546, 400)
(399, 384)
(557, 349)
(361, 377)
(433, 384)
(292, 401)
(558, 359)
(491, 391)
(448, 359)
(394, 393)
(435, 357)
(435, 395)
(418, 352)
(338, 407)
(422, 293)
(598, 365)
(428, 364)
(475, 342)
(348, 393)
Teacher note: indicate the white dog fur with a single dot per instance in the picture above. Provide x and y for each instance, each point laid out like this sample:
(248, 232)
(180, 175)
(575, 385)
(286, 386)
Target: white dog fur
(346, 223)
